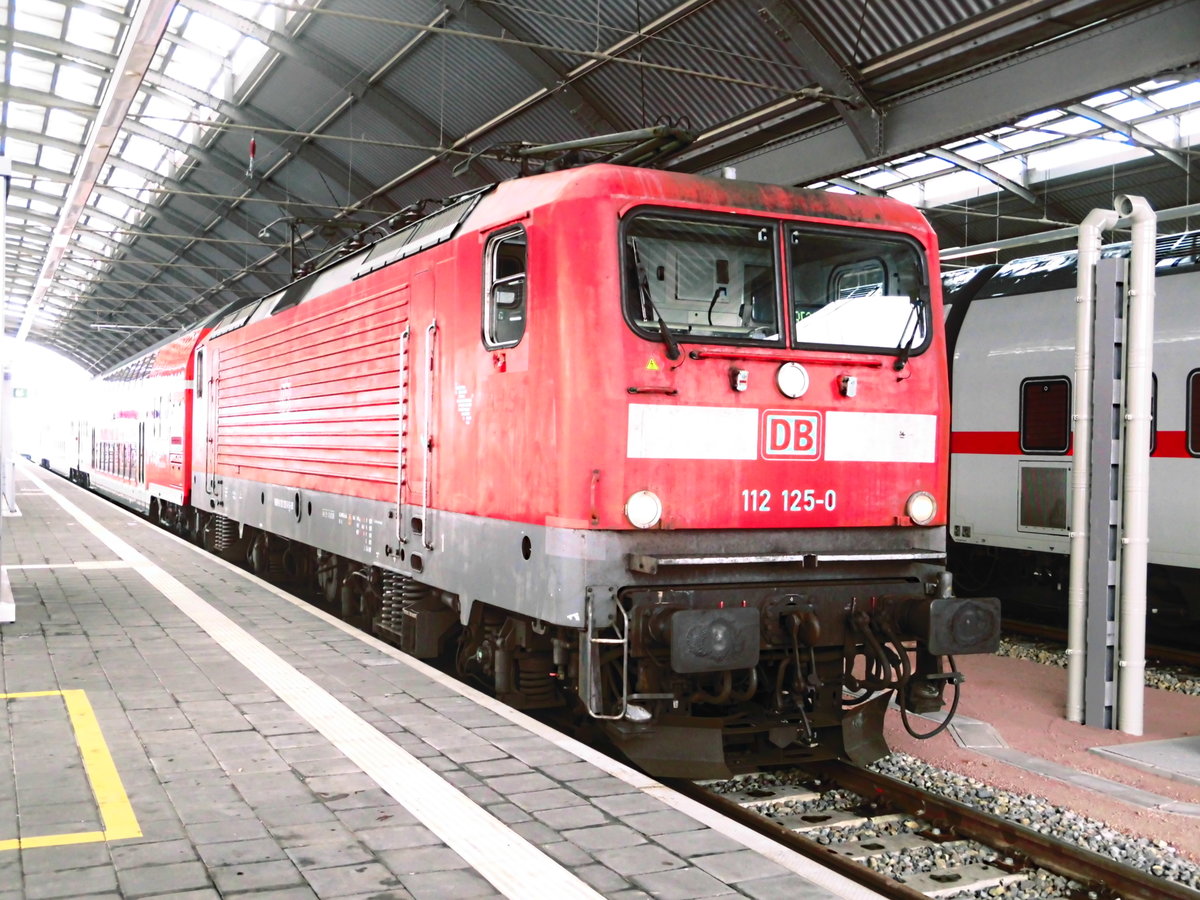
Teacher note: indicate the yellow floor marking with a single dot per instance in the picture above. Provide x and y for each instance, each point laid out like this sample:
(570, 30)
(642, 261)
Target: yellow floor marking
(116, 813)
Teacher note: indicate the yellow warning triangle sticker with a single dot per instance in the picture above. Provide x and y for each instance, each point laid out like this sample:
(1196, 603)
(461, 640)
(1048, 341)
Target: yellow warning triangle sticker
(652, 366)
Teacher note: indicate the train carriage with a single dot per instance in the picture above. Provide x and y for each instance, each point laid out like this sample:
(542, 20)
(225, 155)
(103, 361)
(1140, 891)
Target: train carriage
(1011, 445)
(130, 443)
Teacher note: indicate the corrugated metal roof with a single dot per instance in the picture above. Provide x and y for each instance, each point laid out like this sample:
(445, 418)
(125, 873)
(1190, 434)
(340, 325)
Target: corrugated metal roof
(356, 113)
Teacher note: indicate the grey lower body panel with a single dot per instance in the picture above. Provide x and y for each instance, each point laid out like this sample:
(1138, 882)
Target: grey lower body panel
(545, 572)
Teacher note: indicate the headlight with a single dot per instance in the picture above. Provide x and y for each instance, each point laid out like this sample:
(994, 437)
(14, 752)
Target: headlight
(792, 380)
(921, 507)
(643, 509)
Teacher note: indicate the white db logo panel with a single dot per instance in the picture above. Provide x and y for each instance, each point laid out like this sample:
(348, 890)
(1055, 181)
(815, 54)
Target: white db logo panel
(788, 434)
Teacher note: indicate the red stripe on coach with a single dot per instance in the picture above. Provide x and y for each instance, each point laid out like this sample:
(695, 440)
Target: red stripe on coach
(999, 443)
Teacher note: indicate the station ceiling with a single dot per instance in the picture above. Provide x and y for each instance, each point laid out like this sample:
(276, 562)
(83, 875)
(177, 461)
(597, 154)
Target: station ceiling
(168, 158)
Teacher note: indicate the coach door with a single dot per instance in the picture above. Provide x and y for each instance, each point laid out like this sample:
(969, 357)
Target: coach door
(204, 405)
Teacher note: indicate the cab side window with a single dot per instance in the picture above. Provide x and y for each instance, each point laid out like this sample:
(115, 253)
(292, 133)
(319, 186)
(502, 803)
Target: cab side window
(504, 289)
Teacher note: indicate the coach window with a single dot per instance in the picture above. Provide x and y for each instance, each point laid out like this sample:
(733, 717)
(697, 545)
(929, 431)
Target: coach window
(1193, 412)
(199, 390)
(1153, 413)
(1046, 415)
(504, 289)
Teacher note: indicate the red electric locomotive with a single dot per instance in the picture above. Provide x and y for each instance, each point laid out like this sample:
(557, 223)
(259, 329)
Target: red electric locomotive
(668, 448)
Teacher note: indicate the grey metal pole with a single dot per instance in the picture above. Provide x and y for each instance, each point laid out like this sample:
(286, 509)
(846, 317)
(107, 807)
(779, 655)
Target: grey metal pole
(1135, 502)
(1097, 221)
(8, 609)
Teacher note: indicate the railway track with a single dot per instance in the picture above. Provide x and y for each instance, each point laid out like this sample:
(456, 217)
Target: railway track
(1159, 653)
(861, 824)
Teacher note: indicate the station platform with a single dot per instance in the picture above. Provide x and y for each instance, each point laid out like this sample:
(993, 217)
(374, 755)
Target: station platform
(180, 728)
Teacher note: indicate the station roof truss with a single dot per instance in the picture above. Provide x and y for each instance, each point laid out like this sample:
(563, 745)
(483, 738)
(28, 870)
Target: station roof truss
(168, 158)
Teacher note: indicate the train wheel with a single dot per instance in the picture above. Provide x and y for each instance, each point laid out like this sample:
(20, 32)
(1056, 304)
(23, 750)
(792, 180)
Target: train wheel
(258, 555)
(194, 526)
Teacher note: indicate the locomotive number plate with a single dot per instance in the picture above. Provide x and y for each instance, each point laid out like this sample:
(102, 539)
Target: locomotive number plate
(797, 500)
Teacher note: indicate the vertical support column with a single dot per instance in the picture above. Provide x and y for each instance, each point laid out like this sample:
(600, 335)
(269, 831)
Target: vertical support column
(8, 462)
(8, 610)
(1104, 513)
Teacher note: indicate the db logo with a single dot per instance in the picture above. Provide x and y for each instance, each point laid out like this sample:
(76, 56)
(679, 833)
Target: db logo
(791, 435)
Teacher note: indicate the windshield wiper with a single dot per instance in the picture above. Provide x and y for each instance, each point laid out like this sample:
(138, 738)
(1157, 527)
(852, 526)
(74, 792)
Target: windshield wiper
(905, 347)
(648, 307)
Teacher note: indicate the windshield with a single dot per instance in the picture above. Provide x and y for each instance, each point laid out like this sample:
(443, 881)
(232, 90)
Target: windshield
(703, 280)
(852, 289)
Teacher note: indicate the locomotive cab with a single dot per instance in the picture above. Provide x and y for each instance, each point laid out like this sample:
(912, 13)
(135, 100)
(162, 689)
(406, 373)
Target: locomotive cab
(701, 430)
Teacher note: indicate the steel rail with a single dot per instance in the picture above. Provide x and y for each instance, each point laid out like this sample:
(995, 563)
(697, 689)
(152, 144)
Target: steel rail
(830, 859)
(1063, 858)
(1163, 654)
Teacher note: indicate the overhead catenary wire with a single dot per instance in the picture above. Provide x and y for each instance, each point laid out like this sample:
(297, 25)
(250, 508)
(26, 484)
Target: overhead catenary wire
(589, 55)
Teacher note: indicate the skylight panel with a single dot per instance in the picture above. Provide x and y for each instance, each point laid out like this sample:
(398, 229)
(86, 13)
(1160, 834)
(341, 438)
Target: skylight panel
(26, 117)
(39, 17)
(957, 185)
(1022, 140)
(65, 125)
(244, 60)
(216, 37)
(1106, 98)
(143, 153)
(1012, 168)
(1180, 95)
(58, 160)
(194, 68)
(49, 188)
(77, 83)
(1163, 130)
(89, 241)
(1039, 119)
(879, 179)
(976, 150)
(112, 206)
(20, 151)
(1080, 156)
(114, 6)
(1133, 108)
(1189, 126)
(89, 28)
(912, 194)
(923, 166)
(166, 113)
(1069, 125)
(32, 72)
(43, 206)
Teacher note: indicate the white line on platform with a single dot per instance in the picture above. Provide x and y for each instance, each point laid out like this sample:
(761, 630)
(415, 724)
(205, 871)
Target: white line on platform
(86, 564)
(514, 866)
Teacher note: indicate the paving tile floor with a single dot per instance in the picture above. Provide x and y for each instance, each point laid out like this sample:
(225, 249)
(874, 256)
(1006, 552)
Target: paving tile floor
(237, 794)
